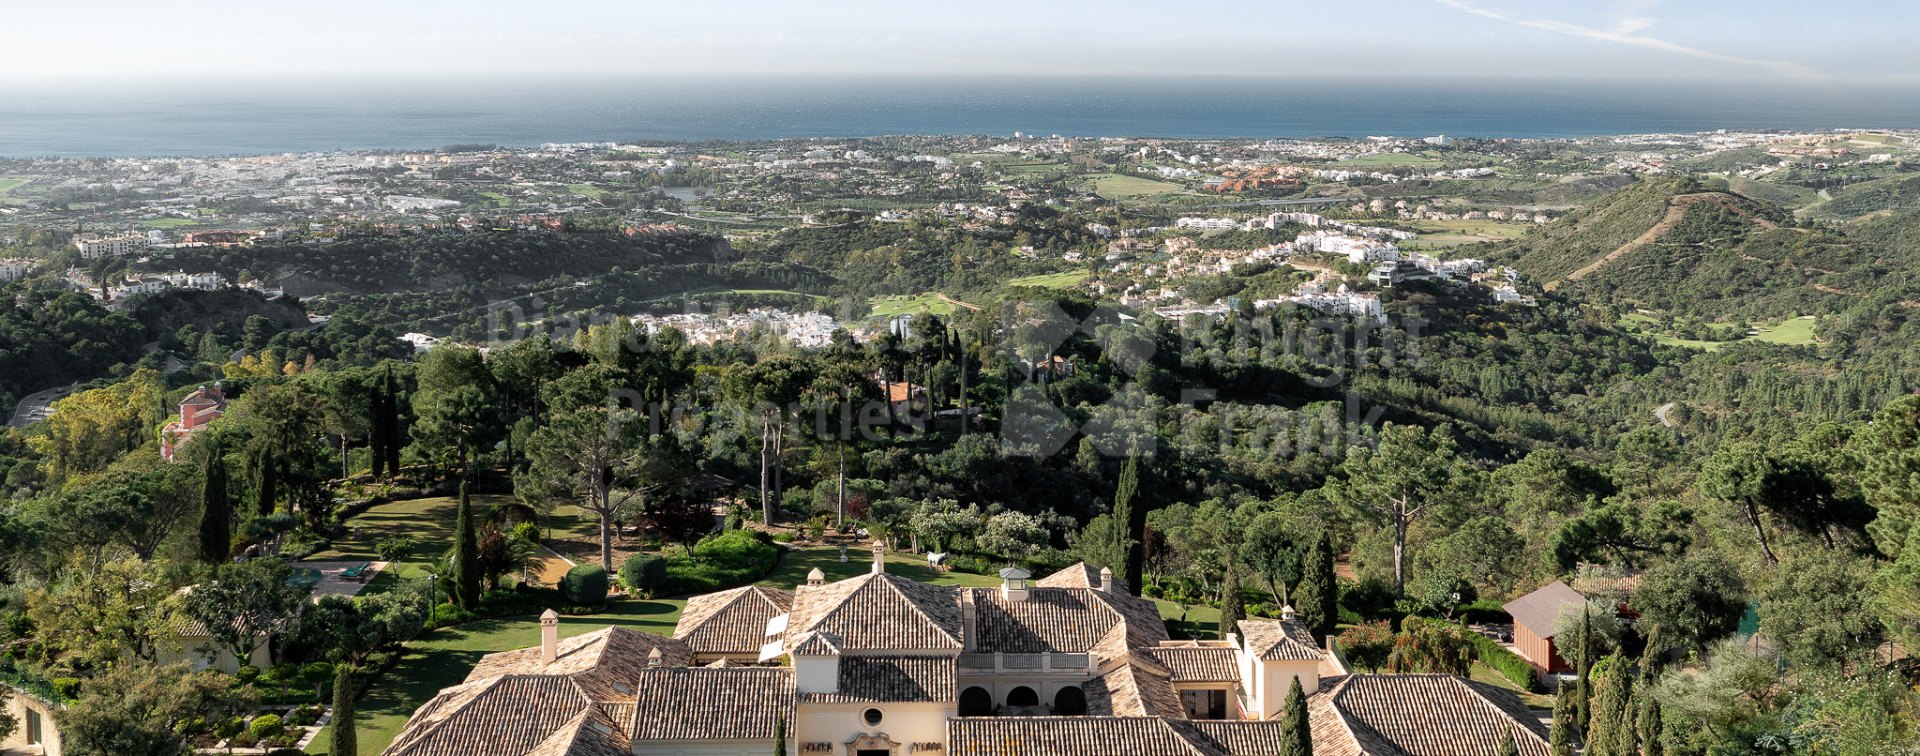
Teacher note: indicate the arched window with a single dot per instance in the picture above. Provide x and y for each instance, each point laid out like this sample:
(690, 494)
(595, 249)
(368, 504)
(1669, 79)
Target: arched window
(1070, 701)
(976, 702)
(1023, 696)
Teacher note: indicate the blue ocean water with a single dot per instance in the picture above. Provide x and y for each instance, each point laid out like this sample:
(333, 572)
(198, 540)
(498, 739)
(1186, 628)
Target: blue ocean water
(258, 115)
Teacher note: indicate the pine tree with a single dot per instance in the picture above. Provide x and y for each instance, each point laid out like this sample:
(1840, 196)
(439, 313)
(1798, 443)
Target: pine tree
(1583, 667)
(1560, 739)
(1508, 746)
(344, 742)
(1319, 594)
(1296, 738)
(216, 511)
(466, 556)
(1232, 607)
(1129, 522)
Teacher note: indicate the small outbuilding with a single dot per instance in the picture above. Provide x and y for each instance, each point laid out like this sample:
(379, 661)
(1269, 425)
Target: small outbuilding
(1533, 618)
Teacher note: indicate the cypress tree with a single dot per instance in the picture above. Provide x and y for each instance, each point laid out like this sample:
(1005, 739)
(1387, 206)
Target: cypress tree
(466, 555)
(1318, 599)
(1560, 738)
(266, 483)
(1508, 746)
(1611, 732)
(1648, 718)
(1232, 607)
(216, 511)
(377, 435)
(1583, 688)
(344, 742)
(1296, 738)
(1133, 522)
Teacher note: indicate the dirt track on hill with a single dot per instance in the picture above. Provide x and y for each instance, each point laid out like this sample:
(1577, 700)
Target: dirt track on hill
(1676, 209)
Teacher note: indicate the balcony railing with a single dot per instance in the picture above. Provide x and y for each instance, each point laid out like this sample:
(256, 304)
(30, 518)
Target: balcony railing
(1042, 663)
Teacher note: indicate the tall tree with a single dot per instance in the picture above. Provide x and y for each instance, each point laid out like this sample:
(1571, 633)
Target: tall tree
(597, 452)
(1695, 600)
(1508, 746)
(244, 605)
(1561, 736)
(143, 709)
(764, 391)
(1411, 473)
(344, 741)
(1273, 553)
(1296, 737)
(216, 511)
(1232, 606)
(1612, 732)
(1318, 600)
(466, 555)
(1134, 519)
(457, 406)
(1583, 675)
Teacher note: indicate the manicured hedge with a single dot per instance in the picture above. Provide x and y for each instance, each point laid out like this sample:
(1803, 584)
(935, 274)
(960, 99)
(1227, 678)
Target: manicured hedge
(1507, 663)
(585, 584)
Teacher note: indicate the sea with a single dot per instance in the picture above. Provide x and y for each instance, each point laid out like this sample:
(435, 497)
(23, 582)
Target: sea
(244, 115)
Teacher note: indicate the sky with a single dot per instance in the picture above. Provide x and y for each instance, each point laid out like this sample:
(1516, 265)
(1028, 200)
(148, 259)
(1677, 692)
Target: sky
(1839, 40)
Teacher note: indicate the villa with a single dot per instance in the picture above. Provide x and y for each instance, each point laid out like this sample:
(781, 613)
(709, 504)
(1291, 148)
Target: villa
(880, 665)
(205, 405)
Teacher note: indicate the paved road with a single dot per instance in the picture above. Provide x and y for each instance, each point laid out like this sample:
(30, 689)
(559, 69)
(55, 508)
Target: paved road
(34, 408)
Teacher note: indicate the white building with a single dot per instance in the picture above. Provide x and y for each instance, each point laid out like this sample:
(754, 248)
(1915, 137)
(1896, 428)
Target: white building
(94, 246)
(14, 269)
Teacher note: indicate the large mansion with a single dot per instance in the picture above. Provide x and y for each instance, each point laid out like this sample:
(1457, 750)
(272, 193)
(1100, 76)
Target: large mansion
(880, 665)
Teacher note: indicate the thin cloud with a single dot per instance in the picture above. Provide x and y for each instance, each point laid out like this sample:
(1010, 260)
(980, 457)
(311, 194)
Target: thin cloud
(1627, 32)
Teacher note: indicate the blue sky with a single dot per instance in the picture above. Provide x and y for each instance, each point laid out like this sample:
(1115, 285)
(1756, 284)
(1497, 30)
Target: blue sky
(1841, 41)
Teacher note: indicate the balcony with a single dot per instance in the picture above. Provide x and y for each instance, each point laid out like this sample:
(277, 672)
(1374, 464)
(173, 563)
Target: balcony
(1042, 663)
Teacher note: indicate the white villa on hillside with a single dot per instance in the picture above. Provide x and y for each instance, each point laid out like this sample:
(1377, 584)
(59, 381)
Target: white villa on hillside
(880, 665)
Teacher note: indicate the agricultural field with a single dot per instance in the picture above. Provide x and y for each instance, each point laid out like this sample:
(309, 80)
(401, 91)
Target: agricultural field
(1448, 233)
(1792, 332)
(903, 304)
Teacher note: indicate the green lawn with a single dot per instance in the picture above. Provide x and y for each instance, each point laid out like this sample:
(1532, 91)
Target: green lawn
(1117, 186)
(1792, 331)
(166, 223)
(1390, 160)
(10, 183)
(429, 521)
(587, 189)
(1065, 280)
(499, 200)
(902, 304)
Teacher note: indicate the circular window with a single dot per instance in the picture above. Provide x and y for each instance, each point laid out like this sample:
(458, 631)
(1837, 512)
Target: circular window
(872, 716)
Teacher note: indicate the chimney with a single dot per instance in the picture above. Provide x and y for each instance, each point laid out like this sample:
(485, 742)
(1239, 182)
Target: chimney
(816, 577)
(653, 657)
(1287, 614)
(1013, 583)
(1106, 580)
(549, 636)
(879, 557)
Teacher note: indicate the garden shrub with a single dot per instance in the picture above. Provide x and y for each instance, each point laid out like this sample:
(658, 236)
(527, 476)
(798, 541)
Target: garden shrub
(720, 561)
(644, 573)
(585, 584)
(265, 726)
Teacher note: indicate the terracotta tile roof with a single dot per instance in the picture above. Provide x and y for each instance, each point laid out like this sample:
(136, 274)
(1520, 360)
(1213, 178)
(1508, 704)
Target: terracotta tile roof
(880, 612)
(1068, 736)
(1537, 611)
(1236, 738)
(1194, 663)
(510, 716)
(592, 733)
(603, 662)
(1109, 736)
(1133, 690)
(701, 703)
(1279, 640)
(816, 644)
(1058, 620)
(1078, 575)
(891, 678)
(1419, 715)
(731, 622)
